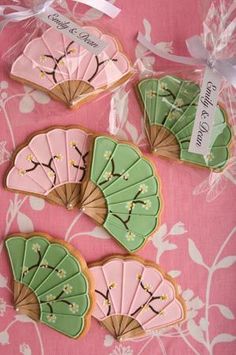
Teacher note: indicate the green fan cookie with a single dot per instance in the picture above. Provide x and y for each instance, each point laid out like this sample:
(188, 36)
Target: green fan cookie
(122, 192)
(170, 105)
(51, 282)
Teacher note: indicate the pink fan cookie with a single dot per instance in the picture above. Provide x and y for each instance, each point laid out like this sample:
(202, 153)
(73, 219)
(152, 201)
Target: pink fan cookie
(134, 298)
(67, 71)
(52, 165)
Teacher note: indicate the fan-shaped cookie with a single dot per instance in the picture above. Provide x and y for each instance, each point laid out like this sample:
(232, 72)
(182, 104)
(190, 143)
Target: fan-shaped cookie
(52, 283)
(67, 71)
(134, 297)
(121, 192)
(170, 105)
(52, 165)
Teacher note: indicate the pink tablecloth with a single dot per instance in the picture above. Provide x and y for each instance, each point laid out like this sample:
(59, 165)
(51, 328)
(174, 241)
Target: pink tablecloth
(197, 234)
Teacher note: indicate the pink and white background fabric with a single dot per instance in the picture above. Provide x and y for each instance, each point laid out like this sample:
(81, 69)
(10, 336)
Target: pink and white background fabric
(195, 243)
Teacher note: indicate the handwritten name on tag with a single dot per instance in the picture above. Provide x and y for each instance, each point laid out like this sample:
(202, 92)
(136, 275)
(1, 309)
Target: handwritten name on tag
(70, 29)
(204, 120)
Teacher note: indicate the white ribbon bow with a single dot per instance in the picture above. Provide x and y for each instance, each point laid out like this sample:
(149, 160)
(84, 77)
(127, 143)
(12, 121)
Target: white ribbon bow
(199, 56)
(22, 13)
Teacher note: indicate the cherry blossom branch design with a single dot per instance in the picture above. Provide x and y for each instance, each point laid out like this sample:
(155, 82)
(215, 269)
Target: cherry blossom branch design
(67, 52)
(133, 203)
(152, 298)
(83, 157)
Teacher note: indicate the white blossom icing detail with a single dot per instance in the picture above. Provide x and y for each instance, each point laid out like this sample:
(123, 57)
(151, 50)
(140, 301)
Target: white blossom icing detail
(67, 288)
(29, 157)
(107, 154)
(36, 247)
(25, 270)
(59, 157)
(148, 287)
(163, 86)
(74, 308)
(150, 94)
(73, 144)
(143, 188)
(44, 263)
(130, 236)
(174, 115)
(106, 303)
(125, 176)
(51, 174)
(50, 297)
(21, 172)
(130, 205)
(147, 204)
(51, 318)
(107, 175)
(61, 273)
(179, 102)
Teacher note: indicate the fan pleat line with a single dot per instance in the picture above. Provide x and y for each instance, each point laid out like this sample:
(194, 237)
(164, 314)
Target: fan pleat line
(105, 165)
(49, 275)
(120, 177)
(58, 67)
(59, 284)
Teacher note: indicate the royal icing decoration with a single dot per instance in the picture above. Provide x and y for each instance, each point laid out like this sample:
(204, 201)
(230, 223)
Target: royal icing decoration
(121, 192)
(134, 298)
(52, 165)
(170, 106)
(51, 283)
(67, 71)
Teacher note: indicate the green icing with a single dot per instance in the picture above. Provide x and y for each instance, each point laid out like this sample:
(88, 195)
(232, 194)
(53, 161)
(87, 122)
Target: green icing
(72, 325)
(153, 92)
(16, 248)
(172, 103)
(55, 276)
(130, 188)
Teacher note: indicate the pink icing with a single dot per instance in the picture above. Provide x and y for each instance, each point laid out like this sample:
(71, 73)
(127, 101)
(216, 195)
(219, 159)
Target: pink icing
(40, 150)
(130, 278)
(78, 64)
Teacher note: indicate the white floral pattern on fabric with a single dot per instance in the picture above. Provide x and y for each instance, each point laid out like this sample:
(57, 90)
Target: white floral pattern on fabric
(2, 307)
(122, 350)
(25, 349)
(209, 328)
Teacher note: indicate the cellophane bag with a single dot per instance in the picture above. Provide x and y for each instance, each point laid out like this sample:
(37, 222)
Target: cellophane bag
(169, 98)
(69, 73)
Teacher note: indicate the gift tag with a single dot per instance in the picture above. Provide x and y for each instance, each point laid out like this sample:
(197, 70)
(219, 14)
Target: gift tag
(70, 29)
(204, 120)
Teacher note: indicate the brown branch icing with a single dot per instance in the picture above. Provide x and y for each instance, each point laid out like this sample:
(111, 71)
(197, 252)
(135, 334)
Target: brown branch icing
(57, 61)
(132, 205)
(113, 174)
(98, 66)
(51, 173)
(83, 157)
(106, 297)
(148, 304)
